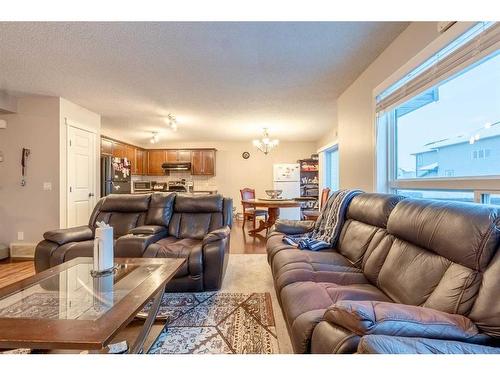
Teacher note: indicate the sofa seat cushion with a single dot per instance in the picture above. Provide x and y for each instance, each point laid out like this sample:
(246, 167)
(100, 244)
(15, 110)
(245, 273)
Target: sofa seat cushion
(325, 260)
(275, 244)
(172, 247)
(301, 265)
(304, 304)
(380, 344)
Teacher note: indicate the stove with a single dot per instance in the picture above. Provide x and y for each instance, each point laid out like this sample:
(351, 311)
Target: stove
(177, 185)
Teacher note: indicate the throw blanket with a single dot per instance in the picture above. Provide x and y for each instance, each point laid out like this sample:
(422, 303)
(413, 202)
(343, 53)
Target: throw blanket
(329, 224)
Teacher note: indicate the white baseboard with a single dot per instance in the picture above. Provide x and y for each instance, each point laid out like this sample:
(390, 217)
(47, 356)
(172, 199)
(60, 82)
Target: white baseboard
(22, 250)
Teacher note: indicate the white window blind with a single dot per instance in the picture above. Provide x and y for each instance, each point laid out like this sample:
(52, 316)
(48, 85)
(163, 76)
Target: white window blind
(480, 41)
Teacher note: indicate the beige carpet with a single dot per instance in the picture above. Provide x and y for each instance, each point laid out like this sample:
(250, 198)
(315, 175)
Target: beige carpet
(250, 273)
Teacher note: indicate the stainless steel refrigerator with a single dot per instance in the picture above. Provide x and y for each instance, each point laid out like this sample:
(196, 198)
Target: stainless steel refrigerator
(115, 176)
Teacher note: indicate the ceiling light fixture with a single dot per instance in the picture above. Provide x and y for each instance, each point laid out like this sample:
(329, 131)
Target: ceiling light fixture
(265, 144)
(172, 122)
(154, 139)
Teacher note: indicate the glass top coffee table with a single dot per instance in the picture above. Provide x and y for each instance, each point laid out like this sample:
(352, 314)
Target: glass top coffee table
(65, 307)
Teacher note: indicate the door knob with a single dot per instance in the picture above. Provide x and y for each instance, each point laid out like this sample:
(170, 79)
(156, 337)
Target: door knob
(91, 195)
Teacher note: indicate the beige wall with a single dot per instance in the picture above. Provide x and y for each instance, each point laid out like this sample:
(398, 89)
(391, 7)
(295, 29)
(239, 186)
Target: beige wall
(331, 136)
(40, 125)
(355, 106)
(8, 104)
(233, 172)
(30, 209)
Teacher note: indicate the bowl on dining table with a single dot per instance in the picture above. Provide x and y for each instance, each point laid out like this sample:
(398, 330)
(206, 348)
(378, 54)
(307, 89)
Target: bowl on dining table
(274, 194)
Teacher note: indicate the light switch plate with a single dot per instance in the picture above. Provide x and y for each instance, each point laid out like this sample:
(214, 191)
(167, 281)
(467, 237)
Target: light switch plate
(47, 186)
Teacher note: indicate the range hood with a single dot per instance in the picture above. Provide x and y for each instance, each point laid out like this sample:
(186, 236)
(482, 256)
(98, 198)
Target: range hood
(176, 166)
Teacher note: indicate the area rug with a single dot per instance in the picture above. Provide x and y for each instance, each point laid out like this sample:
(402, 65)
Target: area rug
(216, 323)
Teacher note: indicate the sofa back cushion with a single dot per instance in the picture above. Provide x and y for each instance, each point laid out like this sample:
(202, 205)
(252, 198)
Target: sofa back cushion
(126, 203)
(195, 216)
(438, 253)
(161, 208)
(464, 233)
(122, 211)
(365, 224)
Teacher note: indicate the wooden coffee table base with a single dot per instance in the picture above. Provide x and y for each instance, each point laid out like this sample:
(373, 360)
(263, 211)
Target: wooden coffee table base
(273, 215)
(138, 346)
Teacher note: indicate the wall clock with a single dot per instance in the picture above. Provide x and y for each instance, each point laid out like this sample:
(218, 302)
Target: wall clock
(245, 155)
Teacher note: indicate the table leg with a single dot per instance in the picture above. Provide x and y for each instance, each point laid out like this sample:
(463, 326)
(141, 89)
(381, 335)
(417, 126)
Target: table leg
(138, 345)
(273, 215)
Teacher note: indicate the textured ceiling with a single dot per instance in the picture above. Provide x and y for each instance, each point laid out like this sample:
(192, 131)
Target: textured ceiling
(223, 81)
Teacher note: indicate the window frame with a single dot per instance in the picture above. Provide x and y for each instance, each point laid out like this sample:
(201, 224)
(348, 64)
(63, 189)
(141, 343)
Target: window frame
(385, 135)
(328, 167)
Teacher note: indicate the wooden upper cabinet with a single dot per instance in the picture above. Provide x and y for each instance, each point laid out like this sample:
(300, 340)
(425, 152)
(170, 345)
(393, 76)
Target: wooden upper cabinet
(184, 155)
(155, 159)
(119, 150)
(106, 146)
(171, 156)
(148, 162)
(203, 162)
(130, 155)
(140, 160)
(209, 162)
(174, 156)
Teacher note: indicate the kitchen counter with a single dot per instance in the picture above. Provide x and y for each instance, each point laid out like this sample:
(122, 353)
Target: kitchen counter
(196, 192)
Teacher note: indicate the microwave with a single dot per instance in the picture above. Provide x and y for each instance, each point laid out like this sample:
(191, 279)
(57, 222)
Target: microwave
(142, 186)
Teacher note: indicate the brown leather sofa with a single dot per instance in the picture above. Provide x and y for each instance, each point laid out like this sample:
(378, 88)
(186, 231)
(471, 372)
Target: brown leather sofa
(403, 269)
(164, 225)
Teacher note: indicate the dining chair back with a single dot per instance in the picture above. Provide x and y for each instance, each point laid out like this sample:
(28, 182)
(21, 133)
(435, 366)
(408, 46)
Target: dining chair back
(325, 193)
(249, 212)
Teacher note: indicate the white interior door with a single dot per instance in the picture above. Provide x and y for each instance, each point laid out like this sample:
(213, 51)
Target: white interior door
(81, 175)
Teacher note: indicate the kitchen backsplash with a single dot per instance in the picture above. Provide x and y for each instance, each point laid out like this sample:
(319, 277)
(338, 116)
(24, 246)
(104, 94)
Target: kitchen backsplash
(200, 182)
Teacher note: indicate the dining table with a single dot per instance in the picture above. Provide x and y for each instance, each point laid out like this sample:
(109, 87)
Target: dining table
(273, 207)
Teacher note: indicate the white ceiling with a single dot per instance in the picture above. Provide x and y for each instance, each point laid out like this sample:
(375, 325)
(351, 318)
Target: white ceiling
(223, 81)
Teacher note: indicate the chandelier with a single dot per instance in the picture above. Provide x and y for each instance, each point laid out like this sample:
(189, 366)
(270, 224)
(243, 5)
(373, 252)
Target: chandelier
(265, 144)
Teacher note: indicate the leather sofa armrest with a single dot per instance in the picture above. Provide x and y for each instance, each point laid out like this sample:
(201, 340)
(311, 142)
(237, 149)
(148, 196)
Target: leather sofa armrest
(393, 319)
(63, 236)
(134, 245)
(215, 249)
(293, 226)
(148, 229)
(380, 344)
(216, 235)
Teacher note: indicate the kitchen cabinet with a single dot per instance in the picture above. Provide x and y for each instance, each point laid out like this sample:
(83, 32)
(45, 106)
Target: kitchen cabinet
(203, 162)
(130, 155)
(155, 159)
(140, 166)
(119, 150)
(148, 162)
(174, 156)
(106, 146)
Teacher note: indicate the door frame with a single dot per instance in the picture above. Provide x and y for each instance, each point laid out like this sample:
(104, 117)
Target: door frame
(95, 165)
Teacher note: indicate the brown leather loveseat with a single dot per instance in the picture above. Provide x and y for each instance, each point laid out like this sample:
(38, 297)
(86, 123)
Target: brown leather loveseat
(154, 225)
(406, 273)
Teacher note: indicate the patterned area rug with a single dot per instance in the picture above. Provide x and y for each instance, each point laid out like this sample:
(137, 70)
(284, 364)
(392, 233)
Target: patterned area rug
(216, 323)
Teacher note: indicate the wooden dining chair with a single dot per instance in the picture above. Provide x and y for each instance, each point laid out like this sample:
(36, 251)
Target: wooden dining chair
(250, 213)
(314, 214)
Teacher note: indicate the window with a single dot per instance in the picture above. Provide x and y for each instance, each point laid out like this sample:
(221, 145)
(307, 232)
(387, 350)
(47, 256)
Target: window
(463, 116)
(462, 196)
(442, 122)
(332, 168)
